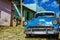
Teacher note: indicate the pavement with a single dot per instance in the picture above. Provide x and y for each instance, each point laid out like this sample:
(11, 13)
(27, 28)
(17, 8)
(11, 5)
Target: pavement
(17, 33)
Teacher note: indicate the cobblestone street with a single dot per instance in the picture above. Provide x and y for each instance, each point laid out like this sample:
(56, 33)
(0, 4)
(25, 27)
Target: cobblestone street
(16, 33)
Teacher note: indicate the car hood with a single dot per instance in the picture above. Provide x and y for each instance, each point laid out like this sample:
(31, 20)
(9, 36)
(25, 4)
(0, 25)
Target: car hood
(43, 20)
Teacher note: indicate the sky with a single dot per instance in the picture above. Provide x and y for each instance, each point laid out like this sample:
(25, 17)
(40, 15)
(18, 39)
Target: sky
(48, 5)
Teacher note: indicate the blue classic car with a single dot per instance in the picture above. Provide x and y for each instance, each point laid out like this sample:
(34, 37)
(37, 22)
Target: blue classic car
(43, 23)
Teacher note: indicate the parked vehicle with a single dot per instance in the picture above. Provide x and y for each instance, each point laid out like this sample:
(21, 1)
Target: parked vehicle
(43, 23)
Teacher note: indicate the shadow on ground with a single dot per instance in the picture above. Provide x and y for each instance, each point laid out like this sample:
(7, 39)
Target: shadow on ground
(48, 37)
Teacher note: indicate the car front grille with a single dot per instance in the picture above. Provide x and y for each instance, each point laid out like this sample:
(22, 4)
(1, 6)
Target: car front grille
(41, 28)
(38, 29)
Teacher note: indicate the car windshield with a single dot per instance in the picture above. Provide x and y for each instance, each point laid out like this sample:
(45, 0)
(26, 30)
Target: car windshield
(45, 15)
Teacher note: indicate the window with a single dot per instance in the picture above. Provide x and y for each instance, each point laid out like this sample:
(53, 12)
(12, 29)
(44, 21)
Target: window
(27, 15)
(45, 15)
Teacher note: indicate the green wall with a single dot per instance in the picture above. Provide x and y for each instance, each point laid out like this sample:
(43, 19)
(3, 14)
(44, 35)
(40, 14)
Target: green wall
(28, 14)
(15, 12)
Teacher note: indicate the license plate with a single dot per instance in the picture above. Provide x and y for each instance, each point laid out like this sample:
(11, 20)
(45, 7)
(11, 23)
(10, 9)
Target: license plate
(39, 32)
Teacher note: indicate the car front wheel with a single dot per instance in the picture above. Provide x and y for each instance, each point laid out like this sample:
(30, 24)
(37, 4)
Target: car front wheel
(28, 35)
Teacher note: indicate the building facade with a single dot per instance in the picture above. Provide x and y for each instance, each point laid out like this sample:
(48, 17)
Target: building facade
(12, 8)
(27, 13)
(5, 13)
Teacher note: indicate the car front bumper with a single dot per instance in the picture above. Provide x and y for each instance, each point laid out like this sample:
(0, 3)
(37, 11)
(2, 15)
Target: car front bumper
(41, 31)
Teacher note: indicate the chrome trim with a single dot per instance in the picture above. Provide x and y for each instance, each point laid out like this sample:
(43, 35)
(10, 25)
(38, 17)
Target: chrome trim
(40, 32)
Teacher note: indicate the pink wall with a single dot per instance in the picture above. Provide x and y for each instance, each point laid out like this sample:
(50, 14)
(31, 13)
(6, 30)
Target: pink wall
(5, 8)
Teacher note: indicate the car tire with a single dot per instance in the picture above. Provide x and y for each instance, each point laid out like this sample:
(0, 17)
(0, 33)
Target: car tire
(57, 35)
(53, 36)
(28, 35)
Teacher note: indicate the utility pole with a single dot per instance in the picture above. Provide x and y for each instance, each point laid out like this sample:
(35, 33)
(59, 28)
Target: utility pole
(21, 12)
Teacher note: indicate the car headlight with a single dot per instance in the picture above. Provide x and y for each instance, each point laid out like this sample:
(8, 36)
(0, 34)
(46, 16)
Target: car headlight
(39, 23)
(55, 22)
(25, 23)
(29, 29)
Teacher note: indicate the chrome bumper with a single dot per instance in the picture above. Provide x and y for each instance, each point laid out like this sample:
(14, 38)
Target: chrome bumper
(41, 32)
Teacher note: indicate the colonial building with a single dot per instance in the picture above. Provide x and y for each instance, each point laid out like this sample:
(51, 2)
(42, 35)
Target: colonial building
(27, 13)
(12, 8)
(5, 13)
(28, 10)
(33, 8)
